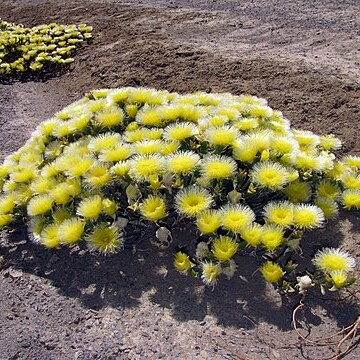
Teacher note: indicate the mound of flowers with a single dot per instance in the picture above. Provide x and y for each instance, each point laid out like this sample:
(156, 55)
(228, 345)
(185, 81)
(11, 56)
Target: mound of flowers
(230, 165)
(32, 49)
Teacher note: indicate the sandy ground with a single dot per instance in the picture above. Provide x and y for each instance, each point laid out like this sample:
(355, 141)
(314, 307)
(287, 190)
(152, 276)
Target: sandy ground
(303, 56)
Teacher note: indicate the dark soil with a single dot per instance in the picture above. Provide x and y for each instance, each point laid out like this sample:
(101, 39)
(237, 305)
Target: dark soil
(302, 56)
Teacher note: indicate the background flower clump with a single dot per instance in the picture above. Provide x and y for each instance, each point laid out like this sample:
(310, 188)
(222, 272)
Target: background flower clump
(233, 166)
(32, 49)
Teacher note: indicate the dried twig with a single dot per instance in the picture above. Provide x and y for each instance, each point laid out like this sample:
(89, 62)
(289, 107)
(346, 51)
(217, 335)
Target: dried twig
(349, 334)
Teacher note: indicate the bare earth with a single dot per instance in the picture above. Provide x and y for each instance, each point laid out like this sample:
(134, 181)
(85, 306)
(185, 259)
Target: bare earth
(303, 56)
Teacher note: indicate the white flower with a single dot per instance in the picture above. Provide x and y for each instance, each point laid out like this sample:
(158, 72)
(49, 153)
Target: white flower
(133, 194)
(234, 196)
(164, 236)
(202, 250)
(304, 283)
(121, 223)
(229, 271)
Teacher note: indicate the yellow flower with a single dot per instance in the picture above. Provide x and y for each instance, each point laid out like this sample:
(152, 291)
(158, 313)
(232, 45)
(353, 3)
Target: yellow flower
(149, 116)
(100, 93)
(180, 131)
(245, 151)
(131, 110)
(146, 147)
(153, 134)
(338, 170)
(221, 135)
(140, 95)
(208, 221)
(182, 162)
(260, 111)
(47, 128)
(207, 99)
(218, 167)
(90, 208)
(210, 272)
(105, 239)
(279, 213)
(60, 194)
(235, 217)
(306, 138)
(23, 174)
(216, 120)
(352, 161)
(7, 203)
(169, 112)
(331, 259)
(42, 185)
(252, 234)
(327, 189)
(110, 117)
(299, 191)
(191, 113)
(271, 272)
(192, 201)
(5, 219)
(169, 147)
(49, 236)
(328, 206)
(73, 186)
(339, 278)
(63, 129)
(142, 167)
(71, 230)
(80, 122)
(272, 237)
(79, 167)
(260, 139)
(153, 208)
(119, 95)
(231, 113)
(308, 216)
(224, 248)
(246, 124)
(307, 162)
(104, 142)
(121, 168)
(330, 142)
(351, 182)
(39, 205)
(182, 262)
(108, 207)
(5, 170)
(282, 145)
(98, 176)
(96, 105)
(269, 175)
(132, 136)
(351, 199)
(118, 153)
(61, 214)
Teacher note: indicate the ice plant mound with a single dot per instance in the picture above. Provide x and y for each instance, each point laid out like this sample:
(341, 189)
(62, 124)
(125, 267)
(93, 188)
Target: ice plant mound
(32, 49)
(231, 165)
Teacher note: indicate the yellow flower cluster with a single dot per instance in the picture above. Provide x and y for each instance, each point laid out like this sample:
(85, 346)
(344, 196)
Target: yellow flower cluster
(230, 165)
(31, 49)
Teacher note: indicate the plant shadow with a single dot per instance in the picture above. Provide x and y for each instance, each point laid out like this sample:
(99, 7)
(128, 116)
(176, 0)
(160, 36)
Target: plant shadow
(120, 281)
(41, 76)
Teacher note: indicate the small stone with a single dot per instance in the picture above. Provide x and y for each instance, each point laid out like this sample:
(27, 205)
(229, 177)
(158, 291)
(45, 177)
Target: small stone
(15, 274)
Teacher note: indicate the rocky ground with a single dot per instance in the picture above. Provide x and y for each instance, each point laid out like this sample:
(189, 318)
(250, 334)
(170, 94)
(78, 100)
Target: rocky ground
(303, 56)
